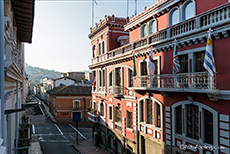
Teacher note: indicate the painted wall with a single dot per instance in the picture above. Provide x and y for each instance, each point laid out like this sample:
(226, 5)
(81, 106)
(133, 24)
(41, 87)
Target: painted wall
(205, 5)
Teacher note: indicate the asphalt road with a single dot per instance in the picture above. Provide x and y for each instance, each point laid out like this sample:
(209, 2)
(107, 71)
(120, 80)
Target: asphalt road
(58, 138)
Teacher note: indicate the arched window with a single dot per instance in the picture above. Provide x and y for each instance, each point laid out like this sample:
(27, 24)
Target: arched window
(153, 27)
(150, 112)
(174, 17)
(190, 117)
(144, 31)
(188, 10)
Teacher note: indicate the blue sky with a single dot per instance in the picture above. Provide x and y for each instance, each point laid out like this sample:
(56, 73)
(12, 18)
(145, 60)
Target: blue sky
(60, 35)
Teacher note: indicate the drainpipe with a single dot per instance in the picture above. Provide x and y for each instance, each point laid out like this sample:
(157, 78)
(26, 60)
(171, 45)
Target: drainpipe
(2, 69)
(16, 122)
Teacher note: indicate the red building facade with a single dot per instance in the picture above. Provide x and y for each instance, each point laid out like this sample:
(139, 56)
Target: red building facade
(186, 112)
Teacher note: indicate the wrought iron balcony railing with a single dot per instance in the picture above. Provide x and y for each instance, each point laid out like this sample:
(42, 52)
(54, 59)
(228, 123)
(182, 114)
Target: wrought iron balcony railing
(196, 82)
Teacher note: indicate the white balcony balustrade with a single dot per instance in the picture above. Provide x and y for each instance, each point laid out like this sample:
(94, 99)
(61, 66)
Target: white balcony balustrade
(93, 117)
(217, 16)
(184, 82)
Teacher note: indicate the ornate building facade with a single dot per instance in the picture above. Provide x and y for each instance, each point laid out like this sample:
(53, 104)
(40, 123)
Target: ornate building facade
(186, 112)
(18, 20)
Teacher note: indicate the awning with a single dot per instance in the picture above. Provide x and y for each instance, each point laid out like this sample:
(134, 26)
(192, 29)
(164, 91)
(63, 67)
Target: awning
(24, 16)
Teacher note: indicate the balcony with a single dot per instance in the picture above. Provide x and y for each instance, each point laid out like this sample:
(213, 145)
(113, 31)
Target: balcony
(93, 117)
(116, 91)
(121, 92)
(198, 24)
(199, 82)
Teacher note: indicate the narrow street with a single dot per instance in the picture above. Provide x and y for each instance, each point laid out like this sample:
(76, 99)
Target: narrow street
(58, 137)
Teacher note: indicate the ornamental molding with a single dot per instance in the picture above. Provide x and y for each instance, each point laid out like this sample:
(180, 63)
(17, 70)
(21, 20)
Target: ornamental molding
(183, 40)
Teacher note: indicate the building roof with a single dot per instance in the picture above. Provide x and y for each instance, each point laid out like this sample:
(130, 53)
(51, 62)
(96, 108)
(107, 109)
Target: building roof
(70, 90)
(24, 17)
(76, 81)
(64, 77)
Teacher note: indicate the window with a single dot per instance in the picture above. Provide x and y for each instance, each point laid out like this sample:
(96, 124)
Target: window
(95, 105)
(192, 121)
(198, 120)
(102, 111)
(156, 67)
(100, 79)
(149, 118)
(93, 50)
(99, 49)
(144, 31)
(118, 76)
(153, 27)
(144, 68)
(110, 112)
(103, 74)
(130, 78)
(110, 79)
(118, 118)
(94, 80)
(189, 10)
(76, 104)
(103, 47)
(174, 17)
(199, 59)
(183, 59)
(118, 114)
(208, 127)
(158, 115)
(150, 112)
(141, 111)
(178, 120)
(129, 119)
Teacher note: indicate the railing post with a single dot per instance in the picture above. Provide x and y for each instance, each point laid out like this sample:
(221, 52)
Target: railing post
(168, 33)
(197, 23)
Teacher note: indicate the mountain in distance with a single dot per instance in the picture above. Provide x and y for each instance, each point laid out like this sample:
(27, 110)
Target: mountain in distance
(36, 74)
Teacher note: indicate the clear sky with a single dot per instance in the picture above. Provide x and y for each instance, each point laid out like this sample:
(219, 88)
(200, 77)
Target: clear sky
(60, 34)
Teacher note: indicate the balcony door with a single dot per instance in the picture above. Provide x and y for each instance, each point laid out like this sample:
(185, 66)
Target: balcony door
(144, 73)
(118, 76)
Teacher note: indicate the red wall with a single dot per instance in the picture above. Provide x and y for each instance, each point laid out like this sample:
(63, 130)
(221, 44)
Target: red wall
(205, 5)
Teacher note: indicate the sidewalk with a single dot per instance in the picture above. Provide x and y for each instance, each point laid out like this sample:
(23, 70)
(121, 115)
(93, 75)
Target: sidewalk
(34, 146)
(87, 147)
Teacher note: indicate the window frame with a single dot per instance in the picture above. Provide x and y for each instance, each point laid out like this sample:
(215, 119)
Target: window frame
(128, 119)
(184, 137)
(144, 30)
(104, 109)
(74, 103)
(185, 4)
(151, 26)
(129, 77)
(153, 125)
(171, 14)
